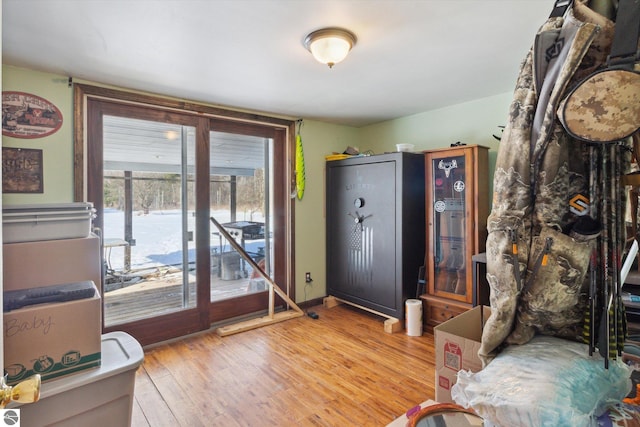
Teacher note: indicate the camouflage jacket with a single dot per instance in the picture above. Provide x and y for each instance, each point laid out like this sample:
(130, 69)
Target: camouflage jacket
(541, 187)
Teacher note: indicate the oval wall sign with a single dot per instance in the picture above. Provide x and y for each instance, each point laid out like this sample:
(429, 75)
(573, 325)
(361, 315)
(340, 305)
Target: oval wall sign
(28, 116)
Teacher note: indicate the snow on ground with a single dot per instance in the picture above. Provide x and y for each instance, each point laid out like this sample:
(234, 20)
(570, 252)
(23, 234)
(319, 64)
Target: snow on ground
(158, 237)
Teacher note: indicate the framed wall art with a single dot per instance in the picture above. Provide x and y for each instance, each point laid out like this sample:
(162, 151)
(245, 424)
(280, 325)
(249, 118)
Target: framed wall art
(21, 170)
(28, 116)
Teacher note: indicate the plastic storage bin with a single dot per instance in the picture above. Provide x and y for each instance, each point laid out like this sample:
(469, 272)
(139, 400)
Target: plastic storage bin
(28, 223)
(101, 397)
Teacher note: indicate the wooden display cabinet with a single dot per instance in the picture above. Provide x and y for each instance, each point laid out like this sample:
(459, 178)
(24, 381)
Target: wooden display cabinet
(457, 206)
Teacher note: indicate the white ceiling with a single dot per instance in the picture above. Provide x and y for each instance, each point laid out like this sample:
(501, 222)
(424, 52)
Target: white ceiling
(411, 56)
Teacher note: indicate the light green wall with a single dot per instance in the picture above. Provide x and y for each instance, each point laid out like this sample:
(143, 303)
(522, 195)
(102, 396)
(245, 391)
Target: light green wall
(471, 123)
(318, 139)
(57, 149)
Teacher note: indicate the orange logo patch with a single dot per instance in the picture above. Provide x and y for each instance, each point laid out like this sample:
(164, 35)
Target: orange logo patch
(579, 205)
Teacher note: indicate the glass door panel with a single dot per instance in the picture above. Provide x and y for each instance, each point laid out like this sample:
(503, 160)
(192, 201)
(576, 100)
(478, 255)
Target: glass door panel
(448, 178)
(240, 197)
(149, 217)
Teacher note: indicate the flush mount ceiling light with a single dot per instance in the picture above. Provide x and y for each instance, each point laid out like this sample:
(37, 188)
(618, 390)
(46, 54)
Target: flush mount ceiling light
(330, 45)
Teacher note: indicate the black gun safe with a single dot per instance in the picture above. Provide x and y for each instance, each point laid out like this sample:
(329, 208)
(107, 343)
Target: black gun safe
(375, 217)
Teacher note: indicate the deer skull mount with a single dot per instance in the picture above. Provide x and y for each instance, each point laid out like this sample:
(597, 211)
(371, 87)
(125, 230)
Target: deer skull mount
(447, 166)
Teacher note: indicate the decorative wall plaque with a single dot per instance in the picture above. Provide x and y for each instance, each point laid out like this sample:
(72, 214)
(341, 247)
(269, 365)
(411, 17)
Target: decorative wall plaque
(28, 116)
(21, 170)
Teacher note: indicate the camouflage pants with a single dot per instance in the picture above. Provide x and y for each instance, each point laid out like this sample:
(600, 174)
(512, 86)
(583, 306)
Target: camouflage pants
(536, 270)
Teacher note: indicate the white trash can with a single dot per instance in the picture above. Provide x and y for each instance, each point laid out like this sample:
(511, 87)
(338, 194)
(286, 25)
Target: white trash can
(413, 317)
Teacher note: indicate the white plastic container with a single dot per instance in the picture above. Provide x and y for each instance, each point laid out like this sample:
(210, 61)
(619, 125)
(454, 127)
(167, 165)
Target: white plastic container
(29, 223)
(101, 397)
(405, 147)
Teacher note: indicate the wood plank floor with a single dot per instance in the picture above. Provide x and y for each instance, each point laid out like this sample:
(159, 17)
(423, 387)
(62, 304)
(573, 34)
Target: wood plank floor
(339, 370)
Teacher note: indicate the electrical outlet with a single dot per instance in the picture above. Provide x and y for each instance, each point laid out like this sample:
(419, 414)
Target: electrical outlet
(307, 277)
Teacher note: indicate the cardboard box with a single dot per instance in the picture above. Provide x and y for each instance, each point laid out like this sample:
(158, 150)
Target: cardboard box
(457, 342)
(52, 262)
(54, 339)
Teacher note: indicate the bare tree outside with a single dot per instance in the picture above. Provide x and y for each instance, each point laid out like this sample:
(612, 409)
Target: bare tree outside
(155, 191)
(251, 193)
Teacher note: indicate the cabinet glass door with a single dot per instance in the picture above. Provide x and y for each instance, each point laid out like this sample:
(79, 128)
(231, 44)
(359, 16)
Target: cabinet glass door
(449, 225)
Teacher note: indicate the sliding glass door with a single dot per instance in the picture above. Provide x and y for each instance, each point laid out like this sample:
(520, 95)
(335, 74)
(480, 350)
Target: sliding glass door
(246, 202)
(156, 177)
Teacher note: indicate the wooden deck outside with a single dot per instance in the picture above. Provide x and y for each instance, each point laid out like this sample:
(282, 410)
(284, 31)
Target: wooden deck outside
(162, 293)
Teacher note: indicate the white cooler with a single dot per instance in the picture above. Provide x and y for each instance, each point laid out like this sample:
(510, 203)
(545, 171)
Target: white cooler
(29, 223)
(101, 397)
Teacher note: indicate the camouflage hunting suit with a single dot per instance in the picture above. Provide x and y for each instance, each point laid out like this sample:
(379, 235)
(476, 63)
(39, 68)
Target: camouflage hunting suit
(541, 188)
